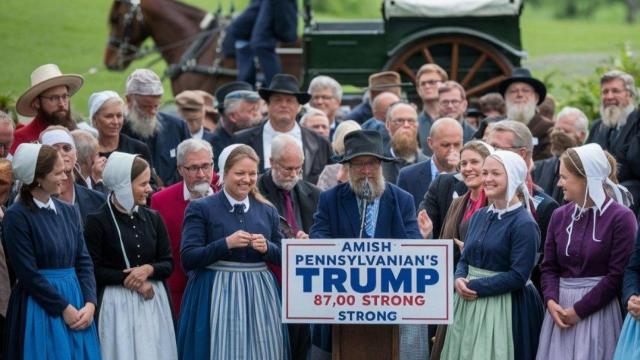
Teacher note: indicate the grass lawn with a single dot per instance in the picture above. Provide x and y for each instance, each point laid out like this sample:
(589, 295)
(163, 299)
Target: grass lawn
(73, 34)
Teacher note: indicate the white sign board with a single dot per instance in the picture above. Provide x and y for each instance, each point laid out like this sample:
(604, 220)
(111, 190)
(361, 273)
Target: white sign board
(367, 281)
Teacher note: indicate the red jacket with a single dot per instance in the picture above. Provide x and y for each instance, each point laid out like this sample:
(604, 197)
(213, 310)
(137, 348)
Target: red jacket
(28, 133)
(171, 205)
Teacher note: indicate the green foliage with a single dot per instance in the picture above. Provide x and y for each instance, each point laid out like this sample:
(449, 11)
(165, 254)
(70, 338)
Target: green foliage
(584, 93)
(8, 104)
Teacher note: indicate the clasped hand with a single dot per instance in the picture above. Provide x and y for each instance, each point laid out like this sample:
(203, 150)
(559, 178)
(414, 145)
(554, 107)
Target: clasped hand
(242, 238)
(564, 318)
(79, 319)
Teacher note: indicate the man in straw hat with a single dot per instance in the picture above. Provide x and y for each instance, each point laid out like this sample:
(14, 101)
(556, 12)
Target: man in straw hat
(48, 100)
(367, 207)
(284, 99)
(386, 81)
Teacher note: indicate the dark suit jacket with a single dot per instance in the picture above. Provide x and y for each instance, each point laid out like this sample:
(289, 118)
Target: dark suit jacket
(87, 201)
(415, 179)
(265, 22)
(424, 128)
(391, 169)
(546, 174)
(361, 113)
(317, 151)
(338, 216)
(438, 198)
(220, 140)
(304, 196)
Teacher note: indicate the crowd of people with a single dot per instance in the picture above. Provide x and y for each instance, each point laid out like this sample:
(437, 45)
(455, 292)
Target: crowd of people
(149, 234)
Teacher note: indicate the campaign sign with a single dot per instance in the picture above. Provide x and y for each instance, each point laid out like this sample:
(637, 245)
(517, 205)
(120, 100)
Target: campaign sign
(367, 281)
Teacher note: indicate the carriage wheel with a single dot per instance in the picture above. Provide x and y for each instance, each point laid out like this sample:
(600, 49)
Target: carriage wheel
(475, 64)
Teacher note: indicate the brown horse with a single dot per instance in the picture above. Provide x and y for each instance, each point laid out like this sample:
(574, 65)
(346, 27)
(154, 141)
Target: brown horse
(175, 28)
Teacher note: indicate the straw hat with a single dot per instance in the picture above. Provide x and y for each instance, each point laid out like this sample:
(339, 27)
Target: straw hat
(43, 78)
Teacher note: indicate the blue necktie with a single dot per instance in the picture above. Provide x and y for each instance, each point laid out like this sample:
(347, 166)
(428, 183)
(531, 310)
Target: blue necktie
(369, 221)
(238, 209)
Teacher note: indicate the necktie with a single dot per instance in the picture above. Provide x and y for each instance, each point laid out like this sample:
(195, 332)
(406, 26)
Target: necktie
(238, 209)
(369, 221)
(289, 214)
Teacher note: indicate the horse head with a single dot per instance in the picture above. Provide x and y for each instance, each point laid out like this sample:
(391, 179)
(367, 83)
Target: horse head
(127, 32)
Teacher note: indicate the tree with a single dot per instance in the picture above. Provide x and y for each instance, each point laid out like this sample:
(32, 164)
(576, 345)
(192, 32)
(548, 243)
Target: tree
(633, 6)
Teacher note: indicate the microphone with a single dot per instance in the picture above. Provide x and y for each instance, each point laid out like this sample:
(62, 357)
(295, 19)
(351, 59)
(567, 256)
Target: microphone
(367, 198)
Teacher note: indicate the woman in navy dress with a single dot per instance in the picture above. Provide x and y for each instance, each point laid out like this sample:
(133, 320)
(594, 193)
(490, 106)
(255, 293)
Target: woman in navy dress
(231, 306)
(51, 310)
(497, 310)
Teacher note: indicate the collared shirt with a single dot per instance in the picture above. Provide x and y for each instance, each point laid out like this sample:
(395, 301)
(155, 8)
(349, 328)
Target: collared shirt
(233, 201)
(48, 205)
(376, 208)
(434, 170)
(500, 212)
(269, 133)
(198, 134)
(186, 194)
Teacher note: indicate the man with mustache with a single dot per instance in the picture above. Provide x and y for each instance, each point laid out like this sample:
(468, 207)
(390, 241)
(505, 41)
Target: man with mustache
(388, 213)
(522, 94)
(195, 165)
(402, 125)
(296, 201)
(569, 130)
(618, 127)
(48, 99)
(160, 131)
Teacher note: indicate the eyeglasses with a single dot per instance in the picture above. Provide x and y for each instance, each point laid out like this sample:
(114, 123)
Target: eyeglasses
(56, 98)
(613, 91)
(430, 82)
(372, 164)
(450, 102)
(321, 97)
(290, 169)
(404, 121)
(193, 169)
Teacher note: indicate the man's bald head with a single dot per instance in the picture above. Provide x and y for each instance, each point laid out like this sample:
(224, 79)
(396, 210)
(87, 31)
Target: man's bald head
(381, 104)
(445, 141)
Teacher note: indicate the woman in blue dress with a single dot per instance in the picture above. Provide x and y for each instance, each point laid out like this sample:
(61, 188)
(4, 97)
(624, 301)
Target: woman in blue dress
(51, 310)
(497, 311)
(231, 306)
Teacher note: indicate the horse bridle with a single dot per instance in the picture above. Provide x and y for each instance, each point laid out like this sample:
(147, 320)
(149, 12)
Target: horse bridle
(134, 13)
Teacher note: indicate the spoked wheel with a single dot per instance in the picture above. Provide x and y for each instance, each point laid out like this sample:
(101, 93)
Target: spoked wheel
(477, 65)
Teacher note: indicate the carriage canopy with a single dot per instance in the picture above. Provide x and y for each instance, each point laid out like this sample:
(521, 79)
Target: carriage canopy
(450, 8)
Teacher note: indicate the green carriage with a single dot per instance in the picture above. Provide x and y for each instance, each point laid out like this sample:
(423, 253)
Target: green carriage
(476, 41)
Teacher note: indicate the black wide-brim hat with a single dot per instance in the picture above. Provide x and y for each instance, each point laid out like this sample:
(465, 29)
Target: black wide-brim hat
(228, 88)
(284, 84)
(523, 75)
(363, 143)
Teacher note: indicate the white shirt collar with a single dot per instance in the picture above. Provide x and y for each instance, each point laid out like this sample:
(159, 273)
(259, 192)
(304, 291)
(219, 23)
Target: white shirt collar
(269, 133)
(506, 210)
(186, 194)
(198, 134)
(233, 201)
(48, 205)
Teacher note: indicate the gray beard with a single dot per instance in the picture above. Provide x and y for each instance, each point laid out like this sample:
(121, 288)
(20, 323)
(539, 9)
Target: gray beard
(614, 116)
(141, 125)
(376, 183)
(522, 114)
(286, 185)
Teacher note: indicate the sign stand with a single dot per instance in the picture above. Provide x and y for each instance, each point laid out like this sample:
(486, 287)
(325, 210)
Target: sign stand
(365, 342)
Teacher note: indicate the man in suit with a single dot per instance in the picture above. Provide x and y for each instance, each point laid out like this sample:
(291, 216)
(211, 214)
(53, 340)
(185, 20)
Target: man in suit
(618, 128)
(191, 108)
(445, 142)
(428, 79)
(283, 101)
(522, 94)
(402, 125)
(326, 95)
(296, 201)
(195, 165)
(243, 113)
(388, 212)
(160, 131)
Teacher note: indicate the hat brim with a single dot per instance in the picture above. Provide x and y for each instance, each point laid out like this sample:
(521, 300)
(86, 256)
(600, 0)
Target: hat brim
(303, 98)
(388, 86)
(72, 81)
(348, 158)
(537, 85)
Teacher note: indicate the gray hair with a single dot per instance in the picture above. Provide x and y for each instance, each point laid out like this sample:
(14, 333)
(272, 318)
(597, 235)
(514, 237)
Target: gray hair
(232, 105)
(192, 145)
(311, 112)
(583, 122)
(4, 117)
(629, 82)
(86, 146)
(342, 130)
(393, 107)
(323, 82)
(280, 144)
(522, 137)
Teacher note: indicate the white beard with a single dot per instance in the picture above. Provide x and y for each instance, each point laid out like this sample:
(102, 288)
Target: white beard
(143, 126)
(614, 115)
(286, 185)
(200, 189)
(521, 113)
(377, 185)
